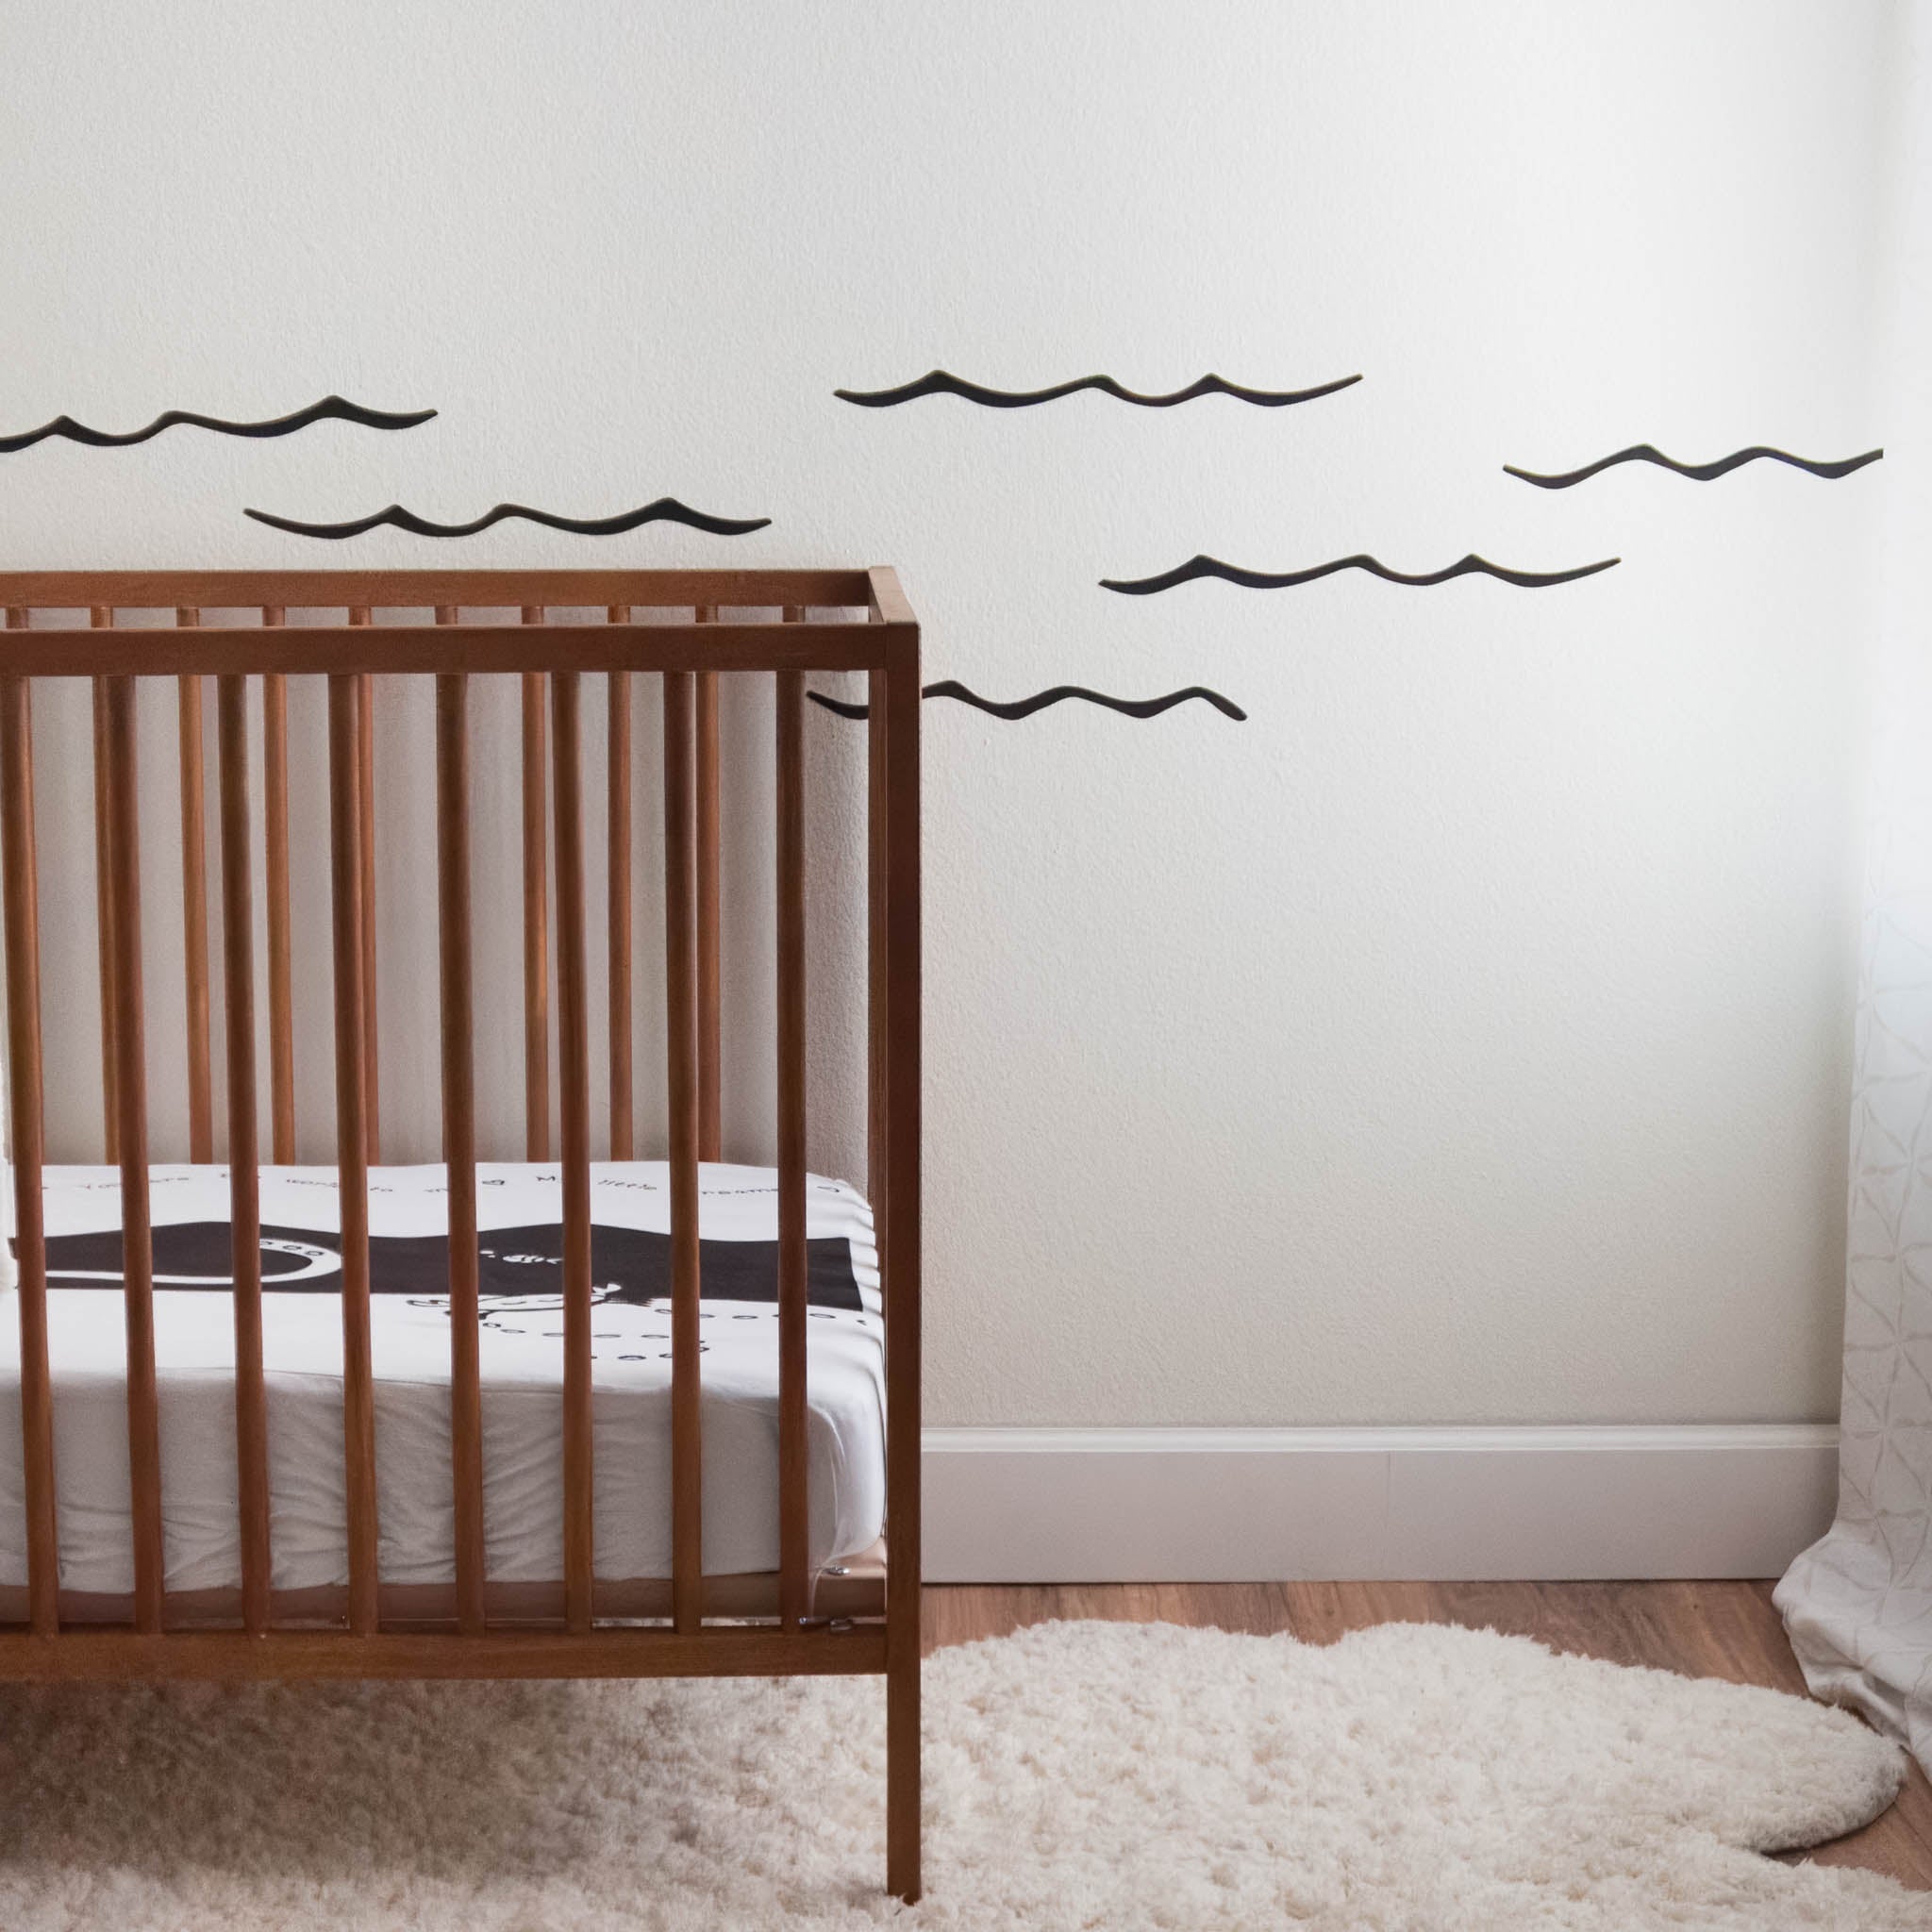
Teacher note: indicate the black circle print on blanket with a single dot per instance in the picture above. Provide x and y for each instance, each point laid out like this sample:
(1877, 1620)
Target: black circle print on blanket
(628, 1265)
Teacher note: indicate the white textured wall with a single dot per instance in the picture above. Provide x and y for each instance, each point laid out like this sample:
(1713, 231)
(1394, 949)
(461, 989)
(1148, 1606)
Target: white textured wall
(1464, 1038)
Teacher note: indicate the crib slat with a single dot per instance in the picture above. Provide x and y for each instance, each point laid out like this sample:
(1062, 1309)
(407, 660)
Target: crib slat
(201, 1096)
(25, 1099)
(244, 1174)
(137, 1243)
(281, 975)
(711, 1003)
(680, 983)
(102, 618)
(876, 953)
(795, 1590)
(618, 896)
(573, 1050)
(351, 1148)
(365, 779)
(459, 1134)
(536, 921)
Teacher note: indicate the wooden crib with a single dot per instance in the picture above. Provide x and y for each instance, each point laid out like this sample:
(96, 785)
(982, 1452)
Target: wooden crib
(786, 623)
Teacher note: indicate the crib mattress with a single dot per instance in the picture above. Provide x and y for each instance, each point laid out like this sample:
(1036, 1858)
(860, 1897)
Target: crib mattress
(520, 1214)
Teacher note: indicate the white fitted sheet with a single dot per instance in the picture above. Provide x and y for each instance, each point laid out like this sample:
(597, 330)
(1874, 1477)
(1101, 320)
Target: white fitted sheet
(522, 1354)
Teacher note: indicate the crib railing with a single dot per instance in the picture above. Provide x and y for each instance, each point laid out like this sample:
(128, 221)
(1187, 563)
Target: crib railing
(875, 633)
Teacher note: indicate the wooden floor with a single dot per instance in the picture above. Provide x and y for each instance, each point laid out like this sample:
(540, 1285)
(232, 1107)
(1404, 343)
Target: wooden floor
(1704, 1629)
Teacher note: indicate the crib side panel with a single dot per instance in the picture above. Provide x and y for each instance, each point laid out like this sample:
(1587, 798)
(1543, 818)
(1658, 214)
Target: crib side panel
(689, 660)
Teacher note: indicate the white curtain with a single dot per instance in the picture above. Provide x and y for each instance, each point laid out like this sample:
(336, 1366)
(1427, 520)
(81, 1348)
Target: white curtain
(1858, 1605)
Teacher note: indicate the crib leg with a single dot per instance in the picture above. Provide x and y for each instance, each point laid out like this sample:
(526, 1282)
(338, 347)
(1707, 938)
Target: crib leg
(902, 1771)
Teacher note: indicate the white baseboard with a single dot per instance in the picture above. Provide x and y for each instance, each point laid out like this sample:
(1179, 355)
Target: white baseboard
(1086, 1505)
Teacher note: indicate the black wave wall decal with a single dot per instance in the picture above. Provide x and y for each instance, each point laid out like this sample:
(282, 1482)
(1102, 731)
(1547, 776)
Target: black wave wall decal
(1471, 565)
(938, 382)
(1698, 473)
(329, 409)
(1024, 708)
(667, 509)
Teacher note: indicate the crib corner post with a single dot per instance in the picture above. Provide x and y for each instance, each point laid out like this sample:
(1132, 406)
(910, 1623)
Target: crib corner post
(895, 842)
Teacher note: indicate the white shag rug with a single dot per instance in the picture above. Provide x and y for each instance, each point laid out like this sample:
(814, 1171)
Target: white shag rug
(1088, 1775)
